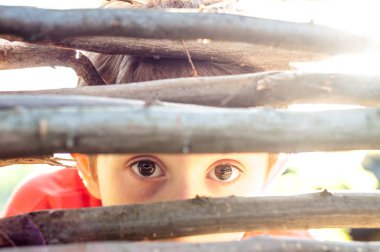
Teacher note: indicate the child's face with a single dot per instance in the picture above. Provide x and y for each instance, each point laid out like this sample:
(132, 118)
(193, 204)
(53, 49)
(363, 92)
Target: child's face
(131, 179)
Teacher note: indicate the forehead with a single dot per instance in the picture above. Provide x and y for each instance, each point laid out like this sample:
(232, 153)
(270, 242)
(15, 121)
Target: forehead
(213, 156)
(192, 158)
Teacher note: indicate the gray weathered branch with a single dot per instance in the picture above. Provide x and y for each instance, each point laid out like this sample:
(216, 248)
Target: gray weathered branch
(15, 55)
(260, 56)
(53, 25)
(195, 216)
(256, 244)
(259, 89)
(169, 128)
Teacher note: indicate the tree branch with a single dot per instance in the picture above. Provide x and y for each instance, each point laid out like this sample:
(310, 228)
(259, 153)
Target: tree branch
(15, 55)
(56, 101)
(260, 56)
(194, 217)
(256, 244)
(53, 25)
(259, 89)
(170, 128)
(50, 160)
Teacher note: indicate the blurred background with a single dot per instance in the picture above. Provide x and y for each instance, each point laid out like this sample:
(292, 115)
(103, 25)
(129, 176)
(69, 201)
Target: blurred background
(355, 170)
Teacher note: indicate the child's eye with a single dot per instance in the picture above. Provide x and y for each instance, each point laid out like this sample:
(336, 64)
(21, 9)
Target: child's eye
(224, 172)
(147, 168)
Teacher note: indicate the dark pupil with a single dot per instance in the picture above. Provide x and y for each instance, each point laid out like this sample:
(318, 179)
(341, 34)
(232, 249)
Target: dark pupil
(146, 168)
(223, 172)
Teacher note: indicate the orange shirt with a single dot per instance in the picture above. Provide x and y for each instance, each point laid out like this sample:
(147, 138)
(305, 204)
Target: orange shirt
(64, 189)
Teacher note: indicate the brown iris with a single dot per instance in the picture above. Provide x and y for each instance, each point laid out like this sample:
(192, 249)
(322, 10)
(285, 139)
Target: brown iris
(146, 168)
(223, 172)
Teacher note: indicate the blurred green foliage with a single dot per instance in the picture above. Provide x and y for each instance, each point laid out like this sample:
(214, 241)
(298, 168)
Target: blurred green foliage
(10, 176)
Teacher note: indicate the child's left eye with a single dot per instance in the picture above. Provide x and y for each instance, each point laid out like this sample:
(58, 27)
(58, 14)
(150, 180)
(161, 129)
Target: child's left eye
(224, 172)
(147, 168)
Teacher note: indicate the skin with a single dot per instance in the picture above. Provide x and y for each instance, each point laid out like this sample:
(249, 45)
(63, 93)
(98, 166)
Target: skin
(121, 180)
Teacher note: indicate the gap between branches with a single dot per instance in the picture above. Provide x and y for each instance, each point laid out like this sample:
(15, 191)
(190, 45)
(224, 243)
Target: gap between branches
(15, 55)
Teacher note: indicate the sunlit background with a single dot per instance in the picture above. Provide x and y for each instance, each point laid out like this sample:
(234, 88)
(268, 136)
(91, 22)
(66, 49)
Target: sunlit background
(306, 171)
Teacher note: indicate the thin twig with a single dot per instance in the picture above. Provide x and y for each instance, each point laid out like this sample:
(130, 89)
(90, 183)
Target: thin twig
(50, 160)
(130, 1)
(85, 69)
(7, 239)
(194, 72)
(21, 101)
(14, 55)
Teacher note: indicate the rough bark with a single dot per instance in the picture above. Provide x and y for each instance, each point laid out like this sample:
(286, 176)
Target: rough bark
(259, 89)
(56, 101)
(256, 244)
(35, 24)
(195, 216)
(14, 55)
(150, 128)
(260, 56)
(31, 160)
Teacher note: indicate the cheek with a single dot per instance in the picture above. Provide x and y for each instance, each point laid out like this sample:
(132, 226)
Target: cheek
(249, 188)
(241, 188)
(246, 185)
(255, 177)
(118, 187)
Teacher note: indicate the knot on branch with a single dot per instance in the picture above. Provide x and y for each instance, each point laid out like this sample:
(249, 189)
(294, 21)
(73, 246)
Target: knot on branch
(200, 200)
(326, 193)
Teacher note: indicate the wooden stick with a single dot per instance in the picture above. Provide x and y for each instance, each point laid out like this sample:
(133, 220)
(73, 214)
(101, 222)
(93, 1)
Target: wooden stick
(259, 89)
(260, 56)
(50, 160)
(255, 244)
(35, 24)
(56, 101)
(14, 55)
(150, 128)
(194, 217)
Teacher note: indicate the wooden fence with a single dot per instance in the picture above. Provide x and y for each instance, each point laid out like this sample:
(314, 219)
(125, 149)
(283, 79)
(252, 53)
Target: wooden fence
(36, 124)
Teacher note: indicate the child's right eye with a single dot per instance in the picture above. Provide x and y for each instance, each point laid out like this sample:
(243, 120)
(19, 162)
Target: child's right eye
(147, 169)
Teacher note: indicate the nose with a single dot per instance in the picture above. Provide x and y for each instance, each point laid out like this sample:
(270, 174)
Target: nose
(184, 188)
